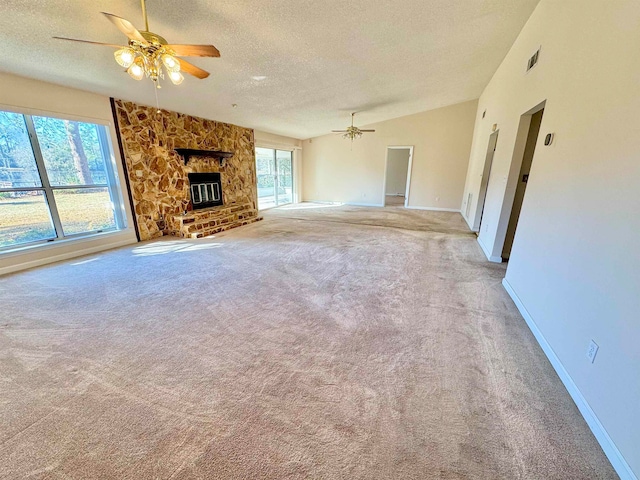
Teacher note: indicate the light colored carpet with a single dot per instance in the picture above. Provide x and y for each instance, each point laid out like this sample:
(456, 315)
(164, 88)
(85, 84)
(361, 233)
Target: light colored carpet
(322, 343)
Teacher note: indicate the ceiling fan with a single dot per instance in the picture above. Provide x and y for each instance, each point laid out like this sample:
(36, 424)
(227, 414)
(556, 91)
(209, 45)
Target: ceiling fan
(352, 132)
(147, 52)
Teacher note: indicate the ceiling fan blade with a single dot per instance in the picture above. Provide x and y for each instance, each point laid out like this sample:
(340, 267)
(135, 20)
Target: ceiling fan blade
(367, 130)
(339, 131)
(126, 27)
(195, 50)
(192, 69)
(89, 42)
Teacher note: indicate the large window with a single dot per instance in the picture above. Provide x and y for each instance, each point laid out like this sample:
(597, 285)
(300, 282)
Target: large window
(275, 177)
(56, 180)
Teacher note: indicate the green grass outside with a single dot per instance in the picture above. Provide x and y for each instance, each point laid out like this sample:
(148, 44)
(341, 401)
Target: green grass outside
(26, 219)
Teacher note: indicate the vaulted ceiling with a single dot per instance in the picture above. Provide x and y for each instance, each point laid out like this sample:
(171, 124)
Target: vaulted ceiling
(293, 67)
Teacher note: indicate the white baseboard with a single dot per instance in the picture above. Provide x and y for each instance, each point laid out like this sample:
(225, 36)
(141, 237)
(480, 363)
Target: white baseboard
(486, 251)
(357, 204)
(361, 204)
(353, 204)
(434, 209)
(608, 446)
(322, 202)
(467, 220)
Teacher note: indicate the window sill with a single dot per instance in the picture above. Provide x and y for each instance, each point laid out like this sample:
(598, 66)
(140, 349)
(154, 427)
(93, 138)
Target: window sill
(33, 255)
(44, 244)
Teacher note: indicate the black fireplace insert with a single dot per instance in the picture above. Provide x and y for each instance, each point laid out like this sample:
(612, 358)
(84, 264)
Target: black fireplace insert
(206, 190)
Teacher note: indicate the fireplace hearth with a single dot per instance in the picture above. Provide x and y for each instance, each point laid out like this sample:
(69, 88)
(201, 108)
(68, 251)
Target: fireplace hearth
(205, 190)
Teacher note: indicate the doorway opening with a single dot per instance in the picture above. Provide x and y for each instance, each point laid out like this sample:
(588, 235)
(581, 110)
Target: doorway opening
(535, 120)
(274, 169)
(484, 182)
(397, 177)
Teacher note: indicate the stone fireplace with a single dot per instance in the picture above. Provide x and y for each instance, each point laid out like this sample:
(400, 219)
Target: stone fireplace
(160, 178)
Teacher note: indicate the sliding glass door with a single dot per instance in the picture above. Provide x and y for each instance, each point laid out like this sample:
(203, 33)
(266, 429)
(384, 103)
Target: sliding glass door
(284, 172)
(275, 177)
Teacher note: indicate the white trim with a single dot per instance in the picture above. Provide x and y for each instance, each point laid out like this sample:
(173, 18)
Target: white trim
(35, 256)
(467, 220)
(297, 176)
(283, 147)
(608, 446)
(357, 204)
(435, 209)
(384, 178)
(486, 251)
(324, 202)
(38, 112)
(409, 170)
(338, 204)
(485, 178)
(352, 204)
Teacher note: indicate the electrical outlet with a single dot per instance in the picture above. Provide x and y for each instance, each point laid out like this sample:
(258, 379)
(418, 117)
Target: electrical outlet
(592, 351)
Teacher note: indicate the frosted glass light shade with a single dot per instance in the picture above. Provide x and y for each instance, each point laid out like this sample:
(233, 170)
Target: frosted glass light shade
(125, 57)
(176, 78)
(136, 70)
(170, 62)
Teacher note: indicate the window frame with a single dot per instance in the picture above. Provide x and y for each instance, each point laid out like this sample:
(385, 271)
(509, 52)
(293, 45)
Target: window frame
(113, 185)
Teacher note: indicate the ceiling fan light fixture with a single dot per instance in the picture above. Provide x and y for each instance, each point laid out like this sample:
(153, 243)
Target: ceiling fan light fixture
(352, 133)
(148, 54)
(137, 70)
(170, 63)
(125, 57)
(176, 77)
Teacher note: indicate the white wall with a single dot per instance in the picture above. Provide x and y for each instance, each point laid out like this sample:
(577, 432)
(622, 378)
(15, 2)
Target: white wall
(575, 263)
(335, 170)
(29, 96)
(279, 142)
(397, 169)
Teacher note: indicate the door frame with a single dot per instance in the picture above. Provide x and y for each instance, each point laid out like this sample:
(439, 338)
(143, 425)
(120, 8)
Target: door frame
(494, 252)
(409, 168)
(484, 181)
(514, 175)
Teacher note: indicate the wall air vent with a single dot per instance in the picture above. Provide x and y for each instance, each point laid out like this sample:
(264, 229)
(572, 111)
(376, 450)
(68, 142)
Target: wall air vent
(532, 62)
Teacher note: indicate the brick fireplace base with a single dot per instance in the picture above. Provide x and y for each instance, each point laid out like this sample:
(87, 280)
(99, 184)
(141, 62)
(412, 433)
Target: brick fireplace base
(205, 222)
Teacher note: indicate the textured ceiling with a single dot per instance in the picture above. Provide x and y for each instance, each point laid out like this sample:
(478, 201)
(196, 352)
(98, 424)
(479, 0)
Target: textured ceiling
(321, 60)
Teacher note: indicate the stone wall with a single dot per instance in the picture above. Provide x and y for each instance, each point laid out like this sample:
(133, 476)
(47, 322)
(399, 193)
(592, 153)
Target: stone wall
(158, 175)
